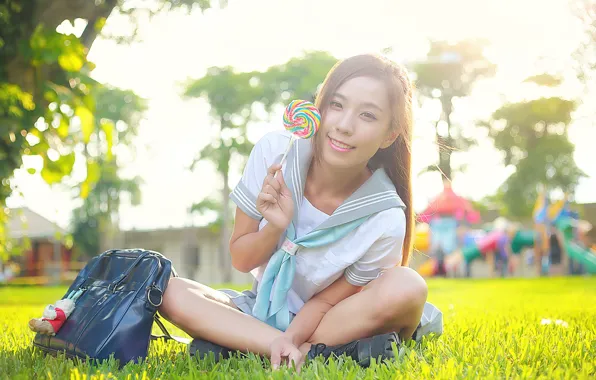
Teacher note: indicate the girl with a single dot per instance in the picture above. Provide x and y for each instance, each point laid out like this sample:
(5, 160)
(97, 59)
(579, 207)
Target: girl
(327, 236)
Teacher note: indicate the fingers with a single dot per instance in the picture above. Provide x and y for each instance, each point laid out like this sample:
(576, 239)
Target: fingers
(273, 168)
(275, 357)
(289, 355)
(267, 198)
(271, 189)
(270, 178)
(282, 184)
(297, 358)
(275, 184)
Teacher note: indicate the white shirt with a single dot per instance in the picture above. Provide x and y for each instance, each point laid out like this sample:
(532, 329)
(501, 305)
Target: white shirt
(309, 218)
(361, 256)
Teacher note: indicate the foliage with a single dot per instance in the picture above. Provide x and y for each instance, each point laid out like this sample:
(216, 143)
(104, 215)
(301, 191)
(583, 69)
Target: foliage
(533, 137)
(545, 80)
(585, 54)
(94, 219)
(50, 122)
(47, 95)
(299, 78)
(519, 328)
(449, 71)
(233, 96)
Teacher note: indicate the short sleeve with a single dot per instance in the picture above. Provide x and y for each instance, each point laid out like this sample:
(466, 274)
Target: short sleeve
(262, 156)
(385, 252)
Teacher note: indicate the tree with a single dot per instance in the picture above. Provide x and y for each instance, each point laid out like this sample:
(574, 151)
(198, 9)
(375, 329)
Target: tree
(299, 78)
(95, 220)
(231, 96)
(585, 11)
(46, 92)
(533, 137)
(448, 72)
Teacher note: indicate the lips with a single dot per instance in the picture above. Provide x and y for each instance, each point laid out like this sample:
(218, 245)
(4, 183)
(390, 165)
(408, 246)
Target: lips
(340, 145)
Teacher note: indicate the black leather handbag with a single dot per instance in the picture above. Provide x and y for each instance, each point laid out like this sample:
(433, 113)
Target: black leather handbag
(117, 296)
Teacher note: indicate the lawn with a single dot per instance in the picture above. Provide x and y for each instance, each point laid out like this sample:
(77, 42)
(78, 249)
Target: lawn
(512, 328)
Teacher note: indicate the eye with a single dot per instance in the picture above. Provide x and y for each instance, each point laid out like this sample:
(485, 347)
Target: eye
(335, 104)
(369, 115)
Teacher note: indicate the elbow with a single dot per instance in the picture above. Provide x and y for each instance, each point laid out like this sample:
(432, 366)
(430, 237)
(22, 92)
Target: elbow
(241, 265)
(238, 262)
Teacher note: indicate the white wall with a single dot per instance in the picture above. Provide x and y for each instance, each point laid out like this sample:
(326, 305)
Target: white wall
(175, 245)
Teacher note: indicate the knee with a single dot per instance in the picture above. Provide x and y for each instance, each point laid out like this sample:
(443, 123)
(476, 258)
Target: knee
(173, 299)
(401, 294)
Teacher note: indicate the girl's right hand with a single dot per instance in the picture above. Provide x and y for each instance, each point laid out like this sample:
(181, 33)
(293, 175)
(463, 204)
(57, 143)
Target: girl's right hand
(275, 201)
(283, 351)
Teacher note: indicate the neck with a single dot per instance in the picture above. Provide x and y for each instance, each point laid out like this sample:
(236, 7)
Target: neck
(335, 183)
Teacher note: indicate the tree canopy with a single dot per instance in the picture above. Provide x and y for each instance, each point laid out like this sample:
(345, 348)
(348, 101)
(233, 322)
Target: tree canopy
(48, 98)
(533, 136)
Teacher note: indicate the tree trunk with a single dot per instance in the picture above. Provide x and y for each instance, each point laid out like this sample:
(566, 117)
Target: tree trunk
(224, 254)
(445, 142)
(444, 157)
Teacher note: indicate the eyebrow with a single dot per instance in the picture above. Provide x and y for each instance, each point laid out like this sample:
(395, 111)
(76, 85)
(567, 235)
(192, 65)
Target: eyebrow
(367, 104)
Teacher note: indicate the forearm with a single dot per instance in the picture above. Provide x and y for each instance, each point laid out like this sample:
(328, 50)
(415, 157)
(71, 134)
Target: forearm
(254, 249)
(307, 320)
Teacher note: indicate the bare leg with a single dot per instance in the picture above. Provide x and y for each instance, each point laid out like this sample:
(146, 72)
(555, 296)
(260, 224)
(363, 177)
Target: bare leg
(205, 313)
(392, 302)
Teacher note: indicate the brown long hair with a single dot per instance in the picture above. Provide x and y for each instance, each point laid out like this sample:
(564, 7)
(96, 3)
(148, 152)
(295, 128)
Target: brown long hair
(395, 159)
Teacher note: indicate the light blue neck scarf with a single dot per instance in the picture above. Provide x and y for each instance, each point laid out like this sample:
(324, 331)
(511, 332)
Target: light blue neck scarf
(375, 195)
(282, 266)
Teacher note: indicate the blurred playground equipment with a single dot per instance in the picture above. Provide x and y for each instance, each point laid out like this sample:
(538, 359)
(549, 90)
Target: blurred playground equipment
(440, 228)
(561, 238)
(449, 240)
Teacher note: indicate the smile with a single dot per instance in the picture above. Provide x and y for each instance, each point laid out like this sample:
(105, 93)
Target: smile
(339, 146)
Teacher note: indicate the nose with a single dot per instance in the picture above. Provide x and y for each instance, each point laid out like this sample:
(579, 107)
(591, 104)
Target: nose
(345, 123)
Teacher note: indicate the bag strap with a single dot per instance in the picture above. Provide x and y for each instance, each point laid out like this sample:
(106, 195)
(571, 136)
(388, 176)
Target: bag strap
(167, 335)
(132, 266)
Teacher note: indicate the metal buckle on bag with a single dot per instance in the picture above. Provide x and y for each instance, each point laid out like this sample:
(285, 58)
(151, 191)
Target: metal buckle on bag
(149, 289)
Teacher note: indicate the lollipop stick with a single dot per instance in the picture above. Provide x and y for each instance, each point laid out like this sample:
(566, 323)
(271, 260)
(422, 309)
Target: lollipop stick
(283, 159)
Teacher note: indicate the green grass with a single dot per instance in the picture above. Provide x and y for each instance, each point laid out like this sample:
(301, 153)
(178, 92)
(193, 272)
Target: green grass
(493, 329)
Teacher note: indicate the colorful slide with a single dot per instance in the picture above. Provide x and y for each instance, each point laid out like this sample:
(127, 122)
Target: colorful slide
(488, 243)
(472, 250)
(522, 239)
(586, 257)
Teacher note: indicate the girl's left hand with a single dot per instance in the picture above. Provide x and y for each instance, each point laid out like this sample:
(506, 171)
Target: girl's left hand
(283, 348)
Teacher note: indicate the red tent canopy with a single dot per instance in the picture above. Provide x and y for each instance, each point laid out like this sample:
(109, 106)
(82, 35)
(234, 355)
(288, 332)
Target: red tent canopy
(450, 204)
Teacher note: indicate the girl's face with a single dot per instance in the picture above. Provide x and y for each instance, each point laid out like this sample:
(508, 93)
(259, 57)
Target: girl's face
(356, 123)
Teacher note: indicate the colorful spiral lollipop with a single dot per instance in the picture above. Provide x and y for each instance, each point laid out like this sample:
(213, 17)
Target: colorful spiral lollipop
(302, 119)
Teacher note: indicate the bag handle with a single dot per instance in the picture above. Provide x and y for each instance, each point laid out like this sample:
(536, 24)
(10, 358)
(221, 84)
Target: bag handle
(120, 278)
(125, 274)
(167, 335)
(101, 256)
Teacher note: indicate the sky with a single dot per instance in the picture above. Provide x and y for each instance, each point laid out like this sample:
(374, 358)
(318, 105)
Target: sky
(526, 36)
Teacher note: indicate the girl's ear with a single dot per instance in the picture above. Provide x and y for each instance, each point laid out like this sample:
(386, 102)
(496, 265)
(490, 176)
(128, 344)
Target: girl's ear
(391, 137)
